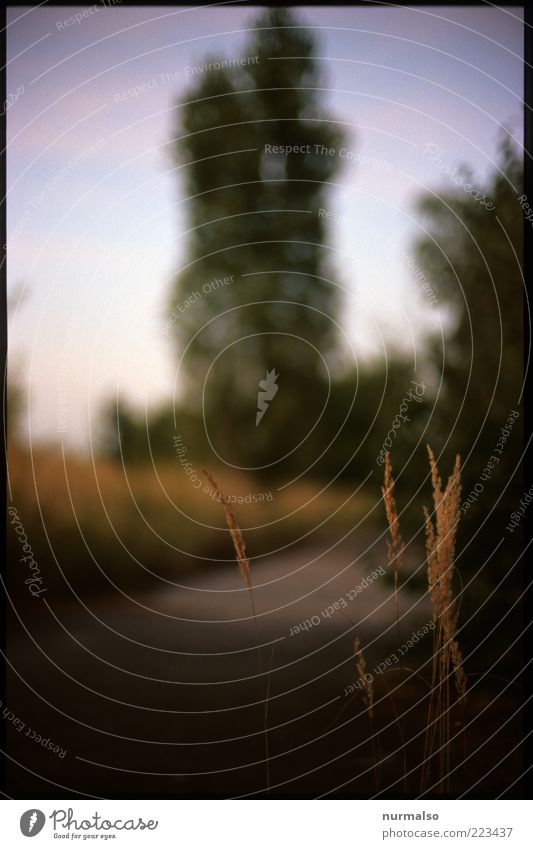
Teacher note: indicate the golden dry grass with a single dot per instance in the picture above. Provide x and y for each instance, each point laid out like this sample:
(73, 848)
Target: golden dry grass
(447, 662)
(395, 545)
(367, 683)
(243, 563)
(156, 513)
(441, 535)
(441, 532)
(235, 531)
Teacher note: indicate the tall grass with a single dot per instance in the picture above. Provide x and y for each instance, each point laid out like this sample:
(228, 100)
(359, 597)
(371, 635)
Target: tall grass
(395, 546)
(243, 563)
(141, 524)
(395, 549)
(441, 532)
(367, 685)
(447, 662)
(236, 537)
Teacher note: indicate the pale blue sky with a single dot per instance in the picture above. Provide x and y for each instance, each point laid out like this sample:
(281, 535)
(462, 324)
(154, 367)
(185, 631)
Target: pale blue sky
(95, 242)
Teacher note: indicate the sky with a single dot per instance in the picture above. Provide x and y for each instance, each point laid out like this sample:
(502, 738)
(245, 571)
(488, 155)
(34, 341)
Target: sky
(95, 206)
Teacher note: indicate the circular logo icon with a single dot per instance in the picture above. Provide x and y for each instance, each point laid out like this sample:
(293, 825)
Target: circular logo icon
(31, 822)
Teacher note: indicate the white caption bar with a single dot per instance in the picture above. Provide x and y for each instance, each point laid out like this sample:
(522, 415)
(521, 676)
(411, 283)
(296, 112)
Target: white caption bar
(265, 824)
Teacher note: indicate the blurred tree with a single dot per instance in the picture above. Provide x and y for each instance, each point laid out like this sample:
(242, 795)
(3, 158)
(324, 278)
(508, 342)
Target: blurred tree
(473, 257)
(14, 393)
(379, 408)
(257, 150)
(124, 432)
(16, 406)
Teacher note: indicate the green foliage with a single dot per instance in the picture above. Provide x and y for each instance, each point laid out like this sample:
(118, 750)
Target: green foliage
(15, 406)
(473, 257)
(124, 432)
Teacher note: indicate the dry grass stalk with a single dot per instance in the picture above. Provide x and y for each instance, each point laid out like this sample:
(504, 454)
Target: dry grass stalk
(244, 568)
(236, 534)
(395, 545)
(395, 548)
(367, 683)
(441, 533)
(440, 550)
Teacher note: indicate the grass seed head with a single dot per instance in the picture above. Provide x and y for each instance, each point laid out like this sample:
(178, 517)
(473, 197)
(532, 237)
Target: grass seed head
(236, 534)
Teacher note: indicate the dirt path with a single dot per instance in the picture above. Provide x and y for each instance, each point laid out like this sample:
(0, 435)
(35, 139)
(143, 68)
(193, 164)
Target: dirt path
(168, 688)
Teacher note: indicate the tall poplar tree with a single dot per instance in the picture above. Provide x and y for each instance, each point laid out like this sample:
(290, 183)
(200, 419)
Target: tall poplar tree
(257, 150)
